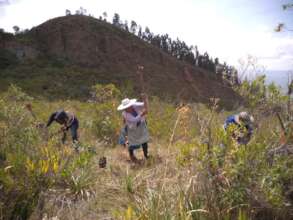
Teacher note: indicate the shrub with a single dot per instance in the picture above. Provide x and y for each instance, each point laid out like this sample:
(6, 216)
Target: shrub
(107, 122)
(105, 93)
(7, 58)
(29, 164)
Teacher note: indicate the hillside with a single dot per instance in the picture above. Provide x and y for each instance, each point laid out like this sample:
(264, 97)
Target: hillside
(65, 56)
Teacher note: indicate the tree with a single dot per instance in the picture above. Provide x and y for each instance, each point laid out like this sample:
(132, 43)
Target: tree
(164, 42)
(105, 15)
(156, 41)
(200, 60)
(67, 12)
(81, 11)
(25, 31)
(139, 33)
(116, 20)
(216, 61)
(281, 26)
(125, 26)
(133, 27)
(147, 35)
(16, 29)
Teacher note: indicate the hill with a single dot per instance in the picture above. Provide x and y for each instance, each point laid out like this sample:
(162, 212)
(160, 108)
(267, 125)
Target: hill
(65, 56)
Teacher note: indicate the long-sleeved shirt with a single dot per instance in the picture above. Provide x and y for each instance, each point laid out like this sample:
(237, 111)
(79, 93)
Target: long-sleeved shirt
(131, 119)
(137, 132)
(230, 120)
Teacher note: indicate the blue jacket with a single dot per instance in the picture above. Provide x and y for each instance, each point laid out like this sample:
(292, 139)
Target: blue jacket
(231, 120)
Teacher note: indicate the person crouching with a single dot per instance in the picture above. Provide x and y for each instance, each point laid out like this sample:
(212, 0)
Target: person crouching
(244, 127)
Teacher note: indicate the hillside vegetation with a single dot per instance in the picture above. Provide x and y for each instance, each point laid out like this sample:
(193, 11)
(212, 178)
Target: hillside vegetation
(196, 171)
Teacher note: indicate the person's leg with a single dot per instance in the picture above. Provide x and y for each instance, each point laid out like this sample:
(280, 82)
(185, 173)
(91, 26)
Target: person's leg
(131, 154)
(73, 130)
(145, 150)
(64, 137)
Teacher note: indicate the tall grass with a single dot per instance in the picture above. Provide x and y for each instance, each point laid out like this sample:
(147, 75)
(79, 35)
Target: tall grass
(196, 170)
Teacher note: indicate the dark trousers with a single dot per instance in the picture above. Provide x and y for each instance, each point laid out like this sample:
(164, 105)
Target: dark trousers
(144, 148)
(73, 130)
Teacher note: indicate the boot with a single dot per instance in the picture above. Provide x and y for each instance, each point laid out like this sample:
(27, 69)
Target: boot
(145, 150)
(133, 158)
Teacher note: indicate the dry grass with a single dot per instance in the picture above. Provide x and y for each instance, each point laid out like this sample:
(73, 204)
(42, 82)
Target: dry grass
(118, 185)
(190, 175)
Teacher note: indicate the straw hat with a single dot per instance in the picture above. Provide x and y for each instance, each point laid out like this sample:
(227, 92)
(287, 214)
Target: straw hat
(126, 103)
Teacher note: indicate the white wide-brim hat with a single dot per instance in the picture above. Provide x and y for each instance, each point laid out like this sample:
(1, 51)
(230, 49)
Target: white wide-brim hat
(126, 103)
(244, 116)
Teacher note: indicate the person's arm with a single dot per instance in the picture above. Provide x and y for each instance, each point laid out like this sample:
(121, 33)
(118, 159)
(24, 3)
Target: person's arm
(249, 128)
(69, 120)
(146, 103)
(130, 118)
(229, 120)
(51, 119)
(225, 125)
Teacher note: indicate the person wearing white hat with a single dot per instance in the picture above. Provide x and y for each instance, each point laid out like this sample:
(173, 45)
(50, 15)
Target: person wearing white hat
(133, 114)
(241, 120)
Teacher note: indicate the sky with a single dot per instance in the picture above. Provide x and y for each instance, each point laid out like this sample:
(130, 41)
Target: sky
(227, 29)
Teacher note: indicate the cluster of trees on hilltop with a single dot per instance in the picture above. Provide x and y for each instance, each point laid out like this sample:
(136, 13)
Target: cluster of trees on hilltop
(176, 48)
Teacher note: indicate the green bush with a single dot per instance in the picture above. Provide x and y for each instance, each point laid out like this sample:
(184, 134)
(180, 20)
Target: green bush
(29, 164)
(107, 121)
(7, 58)
(160, 119)
(105, 93)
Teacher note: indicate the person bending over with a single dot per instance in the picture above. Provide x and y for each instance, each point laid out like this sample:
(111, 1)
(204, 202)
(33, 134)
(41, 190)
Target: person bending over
(244, 127)
(68, 121)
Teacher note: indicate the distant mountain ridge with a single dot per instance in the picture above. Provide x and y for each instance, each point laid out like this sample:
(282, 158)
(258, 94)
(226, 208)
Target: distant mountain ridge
(279, 77)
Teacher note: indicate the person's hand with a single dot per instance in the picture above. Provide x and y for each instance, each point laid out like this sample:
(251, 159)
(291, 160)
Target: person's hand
(143, 96)
(40, 125)
(144, 112)
(63, 128)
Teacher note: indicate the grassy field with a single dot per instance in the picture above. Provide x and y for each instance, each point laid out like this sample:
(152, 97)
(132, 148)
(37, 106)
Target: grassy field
(196, 171)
